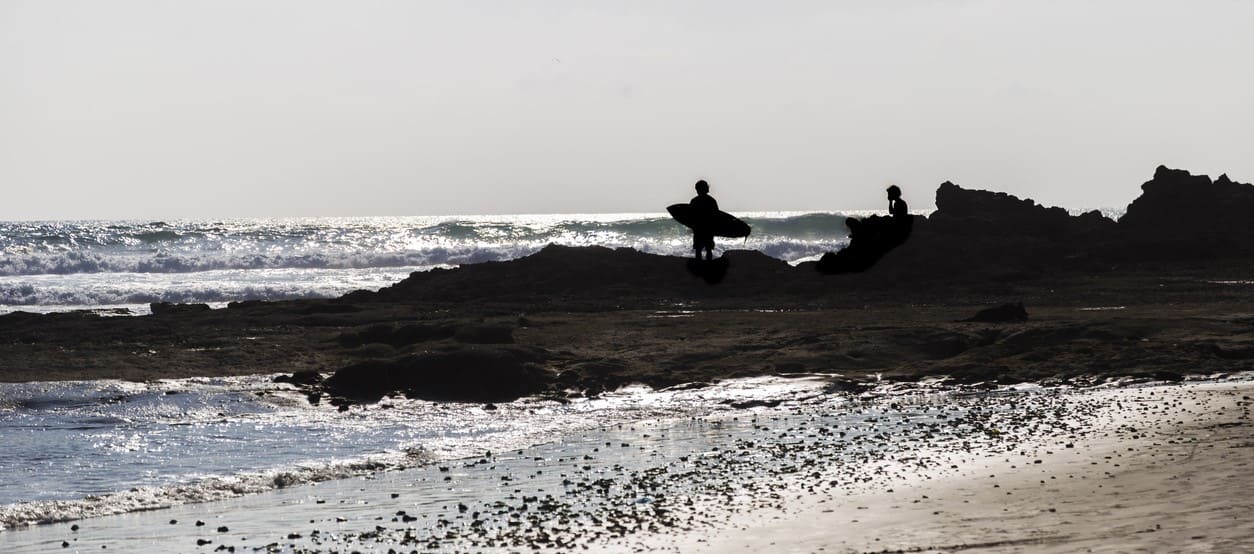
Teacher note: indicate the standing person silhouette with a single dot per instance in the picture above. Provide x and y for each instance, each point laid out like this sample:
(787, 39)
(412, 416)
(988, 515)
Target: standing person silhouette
(705, 207)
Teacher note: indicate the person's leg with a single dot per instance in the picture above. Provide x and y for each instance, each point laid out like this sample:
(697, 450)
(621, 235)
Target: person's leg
(702, 242)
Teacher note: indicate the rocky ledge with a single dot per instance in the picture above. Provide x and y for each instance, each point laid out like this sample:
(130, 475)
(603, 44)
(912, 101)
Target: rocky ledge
(1157, 294)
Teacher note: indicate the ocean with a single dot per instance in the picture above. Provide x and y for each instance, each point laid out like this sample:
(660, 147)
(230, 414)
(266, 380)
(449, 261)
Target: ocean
(65, 265)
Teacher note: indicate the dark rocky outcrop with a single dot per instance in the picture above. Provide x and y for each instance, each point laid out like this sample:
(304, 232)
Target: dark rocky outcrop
(167, 308)
(1185, 216)
(469, 374)
(1005, 313)
(301, 378)
(869, 240)
(396, 335)
(577, 274)
(997, 236)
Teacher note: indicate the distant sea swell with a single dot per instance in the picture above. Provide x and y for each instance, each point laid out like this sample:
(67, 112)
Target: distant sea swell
(105, 263)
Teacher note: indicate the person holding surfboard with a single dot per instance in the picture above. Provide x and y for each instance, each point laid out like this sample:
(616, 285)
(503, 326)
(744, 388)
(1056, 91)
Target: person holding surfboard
(704, 207)
(702, 215)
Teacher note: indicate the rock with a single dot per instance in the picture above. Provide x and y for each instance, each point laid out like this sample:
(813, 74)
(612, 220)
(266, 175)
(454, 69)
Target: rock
(167, 308)
(396, 336)
(710, 271)
(484, 334)
(1005, 313)
(985, 213)
(246, 304)
(1185, 216)
(588, 274)
(869, 240)
(757, 403)
(468, 374)
(301, 378)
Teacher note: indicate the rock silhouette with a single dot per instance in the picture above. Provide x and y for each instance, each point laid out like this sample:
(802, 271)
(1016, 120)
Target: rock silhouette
(710, 271)
(869, 240)
(1005, 313)
(462, 375)
(1184, 216)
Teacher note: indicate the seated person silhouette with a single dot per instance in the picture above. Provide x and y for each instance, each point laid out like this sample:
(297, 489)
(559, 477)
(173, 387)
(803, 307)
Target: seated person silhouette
(871, 238)
(896, 206)
(705, 207)
(900, 215)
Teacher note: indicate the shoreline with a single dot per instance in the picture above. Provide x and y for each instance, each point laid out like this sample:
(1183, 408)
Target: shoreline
(704, 460)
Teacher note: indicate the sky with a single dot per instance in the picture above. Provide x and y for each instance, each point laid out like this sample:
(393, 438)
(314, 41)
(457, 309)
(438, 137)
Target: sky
(153, 109)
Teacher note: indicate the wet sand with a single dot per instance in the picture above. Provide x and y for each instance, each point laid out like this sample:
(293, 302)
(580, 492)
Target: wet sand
(1167, 470)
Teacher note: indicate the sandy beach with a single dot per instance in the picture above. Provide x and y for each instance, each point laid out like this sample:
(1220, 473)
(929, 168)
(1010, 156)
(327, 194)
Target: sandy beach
(1160, 473)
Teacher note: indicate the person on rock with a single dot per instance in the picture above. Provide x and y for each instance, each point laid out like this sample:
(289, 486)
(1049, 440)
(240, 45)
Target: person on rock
(705, 208)
(901, 221)
(896, 206)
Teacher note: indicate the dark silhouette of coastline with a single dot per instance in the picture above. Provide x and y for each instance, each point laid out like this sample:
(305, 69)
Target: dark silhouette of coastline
(594, 318)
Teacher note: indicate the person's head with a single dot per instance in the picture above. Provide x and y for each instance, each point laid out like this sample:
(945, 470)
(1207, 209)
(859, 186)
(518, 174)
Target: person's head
(703, 187)
(894, 192)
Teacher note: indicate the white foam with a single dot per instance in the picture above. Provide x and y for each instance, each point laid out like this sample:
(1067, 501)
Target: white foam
(198, 440)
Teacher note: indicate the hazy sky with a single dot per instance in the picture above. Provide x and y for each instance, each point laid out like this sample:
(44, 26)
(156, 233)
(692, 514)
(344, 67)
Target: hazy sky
(157, 109)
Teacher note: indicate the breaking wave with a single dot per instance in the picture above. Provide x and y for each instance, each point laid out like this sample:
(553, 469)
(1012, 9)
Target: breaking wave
(109, 263)
(64, 248)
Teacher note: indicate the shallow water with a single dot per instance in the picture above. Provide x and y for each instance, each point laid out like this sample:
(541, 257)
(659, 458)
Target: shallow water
(76, 449)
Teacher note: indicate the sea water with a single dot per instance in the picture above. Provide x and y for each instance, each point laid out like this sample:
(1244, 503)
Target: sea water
(62, 265)
(90, 448)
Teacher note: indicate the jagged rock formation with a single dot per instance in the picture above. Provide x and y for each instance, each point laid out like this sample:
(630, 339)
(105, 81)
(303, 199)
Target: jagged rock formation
(1184, 216)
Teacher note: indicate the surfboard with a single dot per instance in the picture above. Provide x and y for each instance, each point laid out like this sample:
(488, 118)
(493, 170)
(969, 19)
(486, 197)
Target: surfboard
(722, 224)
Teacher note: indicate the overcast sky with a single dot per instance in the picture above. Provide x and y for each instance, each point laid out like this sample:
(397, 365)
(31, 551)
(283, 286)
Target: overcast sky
(156, 109)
